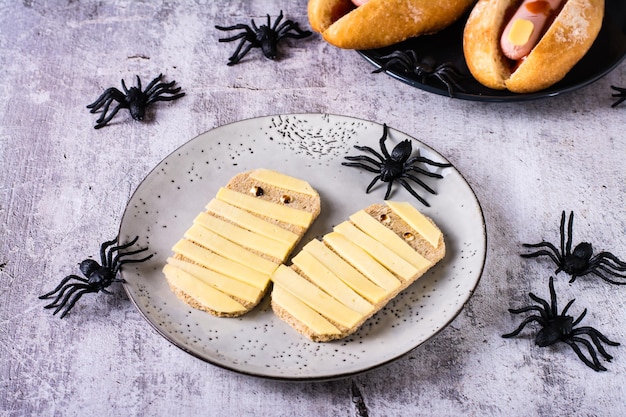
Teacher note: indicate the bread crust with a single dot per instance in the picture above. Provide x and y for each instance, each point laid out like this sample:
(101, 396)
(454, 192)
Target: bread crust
(400, 227)
(380, 23)
(566, 41)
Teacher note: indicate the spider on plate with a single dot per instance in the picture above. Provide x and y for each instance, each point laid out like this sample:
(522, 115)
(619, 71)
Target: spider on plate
(424, 68)
(396, 166)
(581, 260)
(133, 99)
(621, 94)
(560, 328)
(98, 275)
(265, 37)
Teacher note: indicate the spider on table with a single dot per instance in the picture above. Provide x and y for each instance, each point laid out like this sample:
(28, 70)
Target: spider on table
(265, 37)
(396, 166)
(99, 276)
(557, 327)
(581, 260)
(133, 99)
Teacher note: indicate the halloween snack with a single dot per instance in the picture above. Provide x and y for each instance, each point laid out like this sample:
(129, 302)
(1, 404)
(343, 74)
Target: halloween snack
(334, 285)
(224, 262)
(527, 46)
(379, 23)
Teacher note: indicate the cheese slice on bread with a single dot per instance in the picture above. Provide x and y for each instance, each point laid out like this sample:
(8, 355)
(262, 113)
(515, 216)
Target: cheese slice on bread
(334, 285)
(224, 262)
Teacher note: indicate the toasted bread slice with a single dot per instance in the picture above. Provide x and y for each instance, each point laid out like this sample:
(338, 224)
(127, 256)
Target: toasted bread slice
(224, 262)
(333, 286)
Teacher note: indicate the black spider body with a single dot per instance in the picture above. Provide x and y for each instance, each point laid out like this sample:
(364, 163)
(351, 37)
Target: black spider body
(98, 276)
(425, 68)
(580, 261)
(265, 37)
(621, 95)
(397, 166)
(557, 327)
(134, 99)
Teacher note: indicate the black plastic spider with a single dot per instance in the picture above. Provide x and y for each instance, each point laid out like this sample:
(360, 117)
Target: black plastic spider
(621, 93)
(133, 99)
(581, 260)
(395, 167)
(560, 328)
(424, 68)
(98, 276)
(265, 37)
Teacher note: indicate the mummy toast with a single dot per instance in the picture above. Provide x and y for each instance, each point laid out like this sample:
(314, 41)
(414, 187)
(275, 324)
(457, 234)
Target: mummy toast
(334, 285)
(527, 46)
(224, 262)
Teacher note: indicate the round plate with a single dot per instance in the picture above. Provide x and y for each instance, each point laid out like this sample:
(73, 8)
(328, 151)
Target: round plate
(310, 147)
(446, 46)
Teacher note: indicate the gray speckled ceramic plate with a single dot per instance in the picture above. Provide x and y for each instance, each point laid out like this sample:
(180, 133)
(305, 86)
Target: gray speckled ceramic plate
(311, 147)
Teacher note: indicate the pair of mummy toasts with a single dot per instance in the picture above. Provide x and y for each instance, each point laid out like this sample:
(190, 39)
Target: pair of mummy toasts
(226, 260)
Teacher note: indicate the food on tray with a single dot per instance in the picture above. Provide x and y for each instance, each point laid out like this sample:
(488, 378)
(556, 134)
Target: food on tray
(379, 23)
(224, 262)
(530, 45)
(334, 285)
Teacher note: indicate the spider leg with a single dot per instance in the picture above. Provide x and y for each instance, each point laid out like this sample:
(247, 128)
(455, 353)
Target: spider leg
(605, 278)
(388, 190)
(74, 300)
(157, 97)
(61, 284)
(567, 306)
(162, 88)
(422, 171)
(411, 191)
(542, 312)
(369, 187)
(597, 338)
(236, 56)
(418, 181)
(286, 27)
(117, 248)
(361, 165)
(109, 94)
(102, 121)
(370, 150)
(364, 158)
(118, 263)
(60, 304)
(528, 320)
(382, 140)
(153, 83)
(621, 93)
(570, 226)
(428, 161)
(541, 301)
(610, 260)
(234, 37)
(450, 85)
(552, 253)
(276, 22)
(595, 365)
(103, 250)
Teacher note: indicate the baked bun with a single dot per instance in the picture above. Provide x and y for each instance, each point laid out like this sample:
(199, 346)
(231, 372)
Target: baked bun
(333, 286)
(223, 263)
(380, 23)
(565, 41)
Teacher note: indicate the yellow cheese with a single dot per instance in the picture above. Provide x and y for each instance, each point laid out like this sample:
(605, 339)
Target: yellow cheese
(204, 294)
(220, 264)
(251, 222)
(520, 32)
(417, 221)
(315, 297)
(389, 238)
(346, 272)
(362, 261)
(302, 312)
(216, 243)
(321, 276)
(218, 281)
(377, 250)
(244, 237)
(266, 208)
(283, 181)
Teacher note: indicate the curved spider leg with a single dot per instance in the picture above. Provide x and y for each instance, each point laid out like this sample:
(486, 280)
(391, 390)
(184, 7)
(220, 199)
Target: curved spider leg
(610, 260)
(418, 181)
(570, 227)
(276, 22)
(428, 162)
(543, 303)
(370, 150)
(450, 85)
(153, 83)
(160, 89)
(102, 121)
(63, 302)
(117, 263)
(595, 365)
(75, 299)
(103, 250)
(605, 278)
(138, 83)
(236, 56)
(552, 253)
(114, 249)
(597, 338)
(238, 26)
(567, 306)
(157, 97)
(528, 320)
(364, 158)
(621, 93)
(109, 94)
(410, 190)
(369, 187)
(124, 86)
(361, 165)
(424, 172)
(553, 302)
(61, 284)
(382, 140)
(388, 192)
(285, 33)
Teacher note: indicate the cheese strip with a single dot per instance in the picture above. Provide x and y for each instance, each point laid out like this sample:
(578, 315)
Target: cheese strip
(218, 281)
(216, 243)
(220, 264)
(346, 272)
(302, 312)
(377, 250)
(417, 221)
(251, 222)
(283, 181)
(321, 276)
(266, 208)
(389, 238)
(362, 261)
(315, 297)
(203, 293)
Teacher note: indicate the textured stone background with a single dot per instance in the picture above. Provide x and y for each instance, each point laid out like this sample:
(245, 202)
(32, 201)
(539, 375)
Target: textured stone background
(64, 187)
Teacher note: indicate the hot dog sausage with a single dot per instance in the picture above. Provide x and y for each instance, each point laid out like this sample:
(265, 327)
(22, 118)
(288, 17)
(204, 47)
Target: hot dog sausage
(526, 26)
